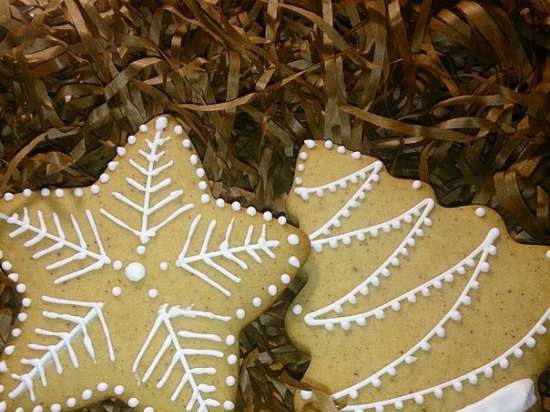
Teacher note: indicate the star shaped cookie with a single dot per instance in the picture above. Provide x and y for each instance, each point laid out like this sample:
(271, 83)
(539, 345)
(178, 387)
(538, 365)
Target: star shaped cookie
(137, 286)
(409, 305)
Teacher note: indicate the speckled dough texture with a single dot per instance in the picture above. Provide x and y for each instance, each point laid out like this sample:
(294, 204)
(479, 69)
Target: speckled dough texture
(138, 286)
(410, 306)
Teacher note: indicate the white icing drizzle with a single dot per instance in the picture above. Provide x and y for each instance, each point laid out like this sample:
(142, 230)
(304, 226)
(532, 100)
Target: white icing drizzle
(225, 251)
(52, 352)
(181, 355)
(82, 249)
(471, 376)
(518, 396)
(148, 188)
(438, 330)
(369, 173)
(421, 210)
(410, 295)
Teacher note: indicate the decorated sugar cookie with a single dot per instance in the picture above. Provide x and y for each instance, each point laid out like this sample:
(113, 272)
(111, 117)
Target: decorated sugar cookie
(409, 305)
(137, 287)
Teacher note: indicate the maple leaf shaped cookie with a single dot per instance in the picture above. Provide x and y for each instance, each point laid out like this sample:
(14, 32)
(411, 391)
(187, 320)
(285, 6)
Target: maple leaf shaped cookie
(137, 286)
(409, 305)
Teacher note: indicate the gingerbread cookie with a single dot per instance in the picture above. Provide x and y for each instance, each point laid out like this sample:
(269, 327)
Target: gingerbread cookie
(137, 286)
(410, 305)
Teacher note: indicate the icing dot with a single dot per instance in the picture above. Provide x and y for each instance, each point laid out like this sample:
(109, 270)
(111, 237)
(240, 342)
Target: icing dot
(203, 185)
(102, 387)
(178, 129)
(9, 350)
(548, 254)
(230, 381)
(59, 192)
(480, 212)
(21, 288)
(163, 265)
(298, 180)
(236, 206)
(310, 144)
(232, 359)
(228, 405)
(186, 143)
(87, 394)
(300, 167)
(281, 220)
(143, 128)
(251, 211)
(257, 302)
(119, 390)
(268, 216)
(133, 402)
(200, 172)
(45, 192)
(16, 332)
(71, 402)
(272, 290)
(220, 202)
(117, 265)
(306, 395)
(38, 409)
(6, 265)
(141, 249)
(417, 184)
(230, 340)
(78, 192)
(294, 261)
(116, 291)
(205, 198)
(194, 159)
(149, 409)
(104, 178)
(3, 367)
(293, 239)
(484, 267)
(95, 189)
(303, 155)
(131, 139)
(153, 293)
(356, 155)
(55, 407)
(285, 279)
(135, 271)
(240, 313)
(112, 165)
(22, 317)
(161, 123)
(26, 302)
(121, 151)
(297, 309)
(27, 192)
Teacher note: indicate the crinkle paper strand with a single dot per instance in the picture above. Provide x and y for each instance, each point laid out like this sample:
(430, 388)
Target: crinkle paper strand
(453, 92)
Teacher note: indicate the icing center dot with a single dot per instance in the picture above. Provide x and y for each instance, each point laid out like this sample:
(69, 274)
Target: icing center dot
(135, 271)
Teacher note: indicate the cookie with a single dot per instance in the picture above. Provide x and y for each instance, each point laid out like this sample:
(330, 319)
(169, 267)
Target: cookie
(137, 286)
(410, 305)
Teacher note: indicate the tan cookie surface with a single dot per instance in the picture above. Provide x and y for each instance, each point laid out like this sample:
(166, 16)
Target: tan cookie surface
(138, 286)
(410, 305)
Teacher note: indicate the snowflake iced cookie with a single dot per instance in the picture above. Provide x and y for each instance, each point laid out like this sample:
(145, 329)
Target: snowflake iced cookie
(409, 305)
(137, 287)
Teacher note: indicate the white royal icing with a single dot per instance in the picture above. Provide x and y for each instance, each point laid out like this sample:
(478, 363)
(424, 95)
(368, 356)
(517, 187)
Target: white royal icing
(518, 396)
(369, 174)
(52, 352)
(151, 171)
(420, 210)
(223, 250)
(437, 331)
(457, 383)
(181, 354)
(59, 238)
